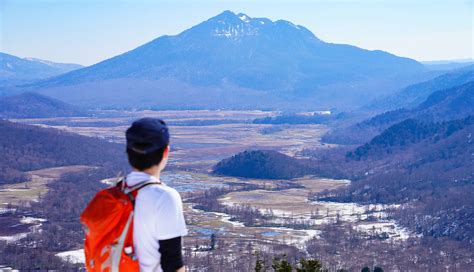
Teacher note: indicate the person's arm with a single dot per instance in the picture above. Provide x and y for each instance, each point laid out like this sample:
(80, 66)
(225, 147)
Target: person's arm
(169, 235)
(171, 255)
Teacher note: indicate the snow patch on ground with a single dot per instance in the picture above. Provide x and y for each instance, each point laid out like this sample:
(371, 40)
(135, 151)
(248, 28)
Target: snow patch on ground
(389, 228)
(306, 234)
(109, 181)
(32, 220)
(37, 222)
(4, 268)
(226, 219)
(371, 219)
(300, 236)
(14, 190)
(13, 238)
(6, 210)
(73, 256)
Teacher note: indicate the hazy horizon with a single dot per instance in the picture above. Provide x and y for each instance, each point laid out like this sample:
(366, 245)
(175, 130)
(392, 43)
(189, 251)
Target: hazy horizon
(87, 32)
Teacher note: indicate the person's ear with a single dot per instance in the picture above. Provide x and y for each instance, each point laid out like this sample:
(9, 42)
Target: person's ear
(167, 151)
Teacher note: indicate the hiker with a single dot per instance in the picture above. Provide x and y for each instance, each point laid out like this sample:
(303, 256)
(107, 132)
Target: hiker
(159, 222)
(154, 208)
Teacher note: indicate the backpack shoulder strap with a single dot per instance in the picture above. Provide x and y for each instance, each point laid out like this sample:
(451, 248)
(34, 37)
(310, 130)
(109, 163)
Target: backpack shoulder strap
(137, 187)
(131, 192)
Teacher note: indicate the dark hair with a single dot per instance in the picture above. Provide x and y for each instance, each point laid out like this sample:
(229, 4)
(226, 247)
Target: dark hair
(144, 161)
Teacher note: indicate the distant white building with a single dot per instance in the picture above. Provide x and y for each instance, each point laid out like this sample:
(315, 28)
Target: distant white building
(313, 113)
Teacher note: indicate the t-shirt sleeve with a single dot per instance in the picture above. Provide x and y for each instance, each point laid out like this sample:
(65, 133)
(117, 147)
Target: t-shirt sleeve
(171, 254)
(170, 219)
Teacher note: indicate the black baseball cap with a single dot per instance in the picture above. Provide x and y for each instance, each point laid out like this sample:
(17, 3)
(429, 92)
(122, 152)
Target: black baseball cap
(147, 135)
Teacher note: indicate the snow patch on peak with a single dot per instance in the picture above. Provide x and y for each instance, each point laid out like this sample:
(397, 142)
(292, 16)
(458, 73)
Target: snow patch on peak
(235, 31)
(243, 17)
(284, 22)
(39, 60)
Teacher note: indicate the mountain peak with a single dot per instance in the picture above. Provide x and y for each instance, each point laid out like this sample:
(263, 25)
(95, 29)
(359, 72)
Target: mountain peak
(234, 26)
(225, 15)
(235, 59)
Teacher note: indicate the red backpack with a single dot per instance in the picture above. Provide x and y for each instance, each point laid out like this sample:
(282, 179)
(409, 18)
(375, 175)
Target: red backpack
(108, 227)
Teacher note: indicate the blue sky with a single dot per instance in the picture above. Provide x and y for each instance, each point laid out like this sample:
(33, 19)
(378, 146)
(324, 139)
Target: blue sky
(88, 31)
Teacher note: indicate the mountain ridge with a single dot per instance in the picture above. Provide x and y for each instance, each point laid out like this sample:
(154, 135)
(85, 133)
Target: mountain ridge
(283, 62)
(446, 97)
(416, 93)
(16, 70)
(34, 105)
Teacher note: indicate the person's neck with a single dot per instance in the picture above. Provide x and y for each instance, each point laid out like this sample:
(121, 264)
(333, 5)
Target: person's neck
(152, 172)
(155, 174)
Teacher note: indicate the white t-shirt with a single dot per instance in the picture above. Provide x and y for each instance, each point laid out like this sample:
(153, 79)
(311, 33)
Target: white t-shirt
(158, 216)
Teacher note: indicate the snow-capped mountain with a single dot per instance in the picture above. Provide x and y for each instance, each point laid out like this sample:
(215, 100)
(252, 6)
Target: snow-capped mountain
(233, 59)
(15, 70)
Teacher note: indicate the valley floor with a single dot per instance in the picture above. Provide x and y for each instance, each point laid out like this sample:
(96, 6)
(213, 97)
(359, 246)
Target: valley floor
(286, 216)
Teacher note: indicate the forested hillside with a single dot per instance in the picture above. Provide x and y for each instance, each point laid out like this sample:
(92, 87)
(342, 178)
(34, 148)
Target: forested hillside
(405, 134)
(413, 163)
(33, 105)
(294, 119)
(426, 167)
(262, 164)
(415, 94)
(446, 104)
(26, 148)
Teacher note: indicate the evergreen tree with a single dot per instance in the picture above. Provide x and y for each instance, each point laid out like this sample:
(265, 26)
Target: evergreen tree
(309, 266)
(259, 264)
(280, 265)
(365, 269)
(213, 241)
(378, 269)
